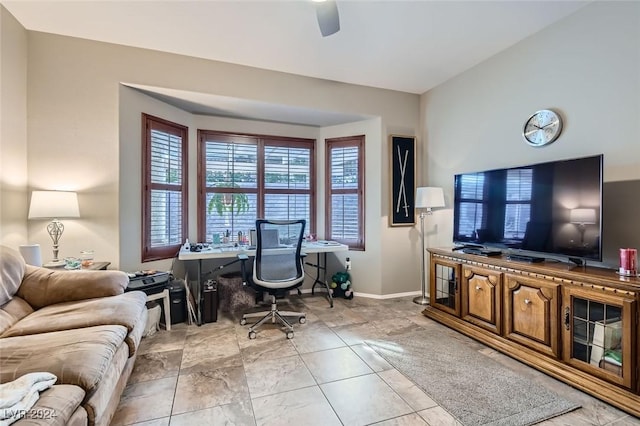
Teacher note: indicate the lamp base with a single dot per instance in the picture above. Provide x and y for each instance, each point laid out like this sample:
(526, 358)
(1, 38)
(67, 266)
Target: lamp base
(54, 264)
(421, 300)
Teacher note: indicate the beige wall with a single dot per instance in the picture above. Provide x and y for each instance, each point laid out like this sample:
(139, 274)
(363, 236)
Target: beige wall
(13, 131)
(586, 66)
(83, 119)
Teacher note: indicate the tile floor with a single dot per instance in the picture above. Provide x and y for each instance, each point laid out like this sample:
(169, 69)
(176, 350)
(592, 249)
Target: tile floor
(325, 375)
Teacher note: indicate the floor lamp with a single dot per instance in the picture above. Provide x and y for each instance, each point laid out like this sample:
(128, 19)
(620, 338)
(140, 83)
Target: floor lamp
(426, 199)
(54, 205)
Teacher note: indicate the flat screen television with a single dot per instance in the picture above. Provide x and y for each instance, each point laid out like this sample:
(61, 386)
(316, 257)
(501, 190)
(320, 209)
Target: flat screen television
(552, 208)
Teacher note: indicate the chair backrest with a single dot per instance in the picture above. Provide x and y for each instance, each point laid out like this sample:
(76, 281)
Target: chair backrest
(278, 260)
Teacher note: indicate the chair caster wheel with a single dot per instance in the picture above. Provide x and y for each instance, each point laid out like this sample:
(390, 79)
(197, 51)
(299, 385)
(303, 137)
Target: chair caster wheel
(289, 334)
(302, 320)
(252, 335)
(243, 321)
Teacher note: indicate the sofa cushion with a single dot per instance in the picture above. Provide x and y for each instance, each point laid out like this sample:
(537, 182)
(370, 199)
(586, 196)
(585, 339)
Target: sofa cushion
(78, 357)
(55, 406)
(12, 312)
(124, 309)
(42, 287)
(12, 267)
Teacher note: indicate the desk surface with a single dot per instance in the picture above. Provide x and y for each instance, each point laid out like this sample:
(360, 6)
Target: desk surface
(219, 252)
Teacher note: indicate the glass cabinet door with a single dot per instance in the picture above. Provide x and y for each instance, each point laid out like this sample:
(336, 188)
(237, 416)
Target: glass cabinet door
(598, 331)
(444, 286)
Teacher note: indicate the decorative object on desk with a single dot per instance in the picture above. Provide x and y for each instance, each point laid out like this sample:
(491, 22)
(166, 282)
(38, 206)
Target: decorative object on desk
(31, 254)
(54, 205)
(402, 155)
(87, 257)
(582, 217)
(426, 198)
(72, 263)
(628, 262)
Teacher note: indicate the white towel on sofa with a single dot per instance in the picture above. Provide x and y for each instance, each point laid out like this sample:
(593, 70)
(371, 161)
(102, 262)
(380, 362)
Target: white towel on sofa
(18, 396)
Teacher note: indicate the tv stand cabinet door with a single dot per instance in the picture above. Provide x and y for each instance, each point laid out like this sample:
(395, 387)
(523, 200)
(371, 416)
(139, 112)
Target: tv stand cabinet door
(481, 297)
(531, 313)
(444, 286)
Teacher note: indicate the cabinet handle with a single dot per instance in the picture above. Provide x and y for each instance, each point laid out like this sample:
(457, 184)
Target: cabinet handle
(567, 318)
(527, 301)
(478, 288)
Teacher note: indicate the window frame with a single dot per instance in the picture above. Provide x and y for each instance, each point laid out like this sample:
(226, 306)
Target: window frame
(346, 142)
(261, 141)
(150, 123)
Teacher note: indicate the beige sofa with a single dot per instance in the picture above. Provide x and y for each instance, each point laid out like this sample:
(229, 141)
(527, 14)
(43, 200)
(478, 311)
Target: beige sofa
(78, 325)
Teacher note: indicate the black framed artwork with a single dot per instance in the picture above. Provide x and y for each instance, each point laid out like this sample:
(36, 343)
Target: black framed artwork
(403, 180)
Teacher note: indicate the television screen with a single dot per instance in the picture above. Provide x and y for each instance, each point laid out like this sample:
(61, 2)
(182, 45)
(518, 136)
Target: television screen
(551, 208)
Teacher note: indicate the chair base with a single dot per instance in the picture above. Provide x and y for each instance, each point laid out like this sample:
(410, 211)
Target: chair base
(274, 314)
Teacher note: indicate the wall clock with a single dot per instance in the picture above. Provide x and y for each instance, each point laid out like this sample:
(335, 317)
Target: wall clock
(542, 128)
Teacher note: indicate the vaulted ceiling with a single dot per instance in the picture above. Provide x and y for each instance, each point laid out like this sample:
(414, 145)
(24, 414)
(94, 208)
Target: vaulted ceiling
(410, 46)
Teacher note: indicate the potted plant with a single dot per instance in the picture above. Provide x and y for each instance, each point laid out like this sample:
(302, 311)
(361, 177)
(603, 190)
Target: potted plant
(235, 203)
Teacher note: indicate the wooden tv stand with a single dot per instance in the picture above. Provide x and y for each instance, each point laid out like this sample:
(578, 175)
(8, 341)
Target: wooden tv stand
(577, 324)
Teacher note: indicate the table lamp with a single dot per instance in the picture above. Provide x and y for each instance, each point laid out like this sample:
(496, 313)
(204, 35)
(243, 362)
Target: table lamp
(582, 217)
(54, 205)
(426, 199)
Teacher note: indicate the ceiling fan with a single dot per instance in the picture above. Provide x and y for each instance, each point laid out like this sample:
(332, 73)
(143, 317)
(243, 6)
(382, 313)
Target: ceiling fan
(328, 18)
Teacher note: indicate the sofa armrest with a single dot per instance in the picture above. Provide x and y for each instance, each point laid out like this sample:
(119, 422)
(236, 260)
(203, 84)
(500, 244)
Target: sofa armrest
(42, 287)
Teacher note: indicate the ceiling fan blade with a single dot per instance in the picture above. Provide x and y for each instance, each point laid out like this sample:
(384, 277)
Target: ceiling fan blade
(328, 18)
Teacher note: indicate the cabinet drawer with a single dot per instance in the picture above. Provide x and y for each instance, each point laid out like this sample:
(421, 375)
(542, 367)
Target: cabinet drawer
(481, 297)
(531, 313)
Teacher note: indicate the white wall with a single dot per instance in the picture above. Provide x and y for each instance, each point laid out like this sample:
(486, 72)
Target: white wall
(367, 266)
(83, 135)
(587, 67)
(13, 131)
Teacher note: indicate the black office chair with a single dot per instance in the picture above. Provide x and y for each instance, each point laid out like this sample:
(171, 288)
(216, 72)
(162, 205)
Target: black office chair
(277, 268)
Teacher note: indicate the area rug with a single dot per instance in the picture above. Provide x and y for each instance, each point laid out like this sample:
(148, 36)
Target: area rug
(474, 388)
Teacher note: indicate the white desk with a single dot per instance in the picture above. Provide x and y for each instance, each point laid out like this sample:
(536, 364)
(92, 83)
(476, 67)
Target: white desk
(230, 252)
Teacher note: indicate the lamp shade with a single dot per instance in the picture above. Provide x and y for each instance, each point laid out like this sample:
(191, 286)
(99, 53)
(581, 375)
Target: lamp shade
(53, 204)
(428, 197)
(584, 216)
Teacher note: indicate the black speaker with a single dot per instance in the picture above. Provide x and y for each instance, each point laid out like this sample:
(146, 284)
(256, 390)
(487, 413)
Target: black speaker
(210, 302)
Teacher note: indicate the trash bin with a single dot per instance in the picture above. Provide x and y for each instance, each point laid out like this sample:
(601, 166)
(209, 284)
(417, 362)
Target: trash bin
(178, 305)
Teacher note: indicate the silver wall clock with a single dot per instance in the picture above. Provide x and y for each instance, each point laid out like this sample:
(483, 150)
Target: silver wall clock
(542, 128)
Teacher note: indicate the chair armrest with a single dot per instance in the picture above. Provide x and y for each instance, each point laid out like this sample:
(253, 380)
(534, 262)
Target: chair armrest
(42, 287)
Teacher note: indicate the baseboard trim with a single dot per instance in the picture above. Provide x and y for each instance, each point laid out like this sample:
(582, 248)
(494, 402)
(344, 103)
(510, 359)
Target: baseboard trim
(387, 296)
(366, 295)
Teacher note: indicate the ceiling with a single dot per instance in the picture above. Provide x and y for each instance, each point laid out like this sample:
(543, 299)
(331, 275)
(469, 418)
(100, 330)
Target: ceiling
(408, 46)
